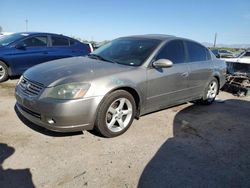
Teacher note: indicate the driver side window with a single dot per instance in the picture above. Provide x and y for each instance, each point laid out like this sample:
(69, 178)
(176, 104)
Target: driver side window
(174, 51)
(37, 41)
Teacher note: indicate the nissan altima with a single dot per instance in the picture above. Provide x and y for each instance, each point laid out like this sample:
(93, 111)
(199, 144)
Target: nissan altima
(122, 80)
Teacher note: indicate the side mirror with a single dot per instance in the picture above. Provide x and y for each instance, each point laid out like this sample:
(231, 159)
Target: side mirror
(21, 46)
(163, 63)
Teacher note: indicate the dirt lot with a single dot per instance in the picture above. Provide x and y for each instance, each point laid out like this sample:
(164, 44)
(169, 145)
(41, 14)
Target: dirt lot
(185, 146)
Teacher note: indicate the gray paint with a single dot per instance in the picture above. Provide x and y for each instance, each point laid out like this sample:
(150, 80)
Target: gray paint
(157, 88)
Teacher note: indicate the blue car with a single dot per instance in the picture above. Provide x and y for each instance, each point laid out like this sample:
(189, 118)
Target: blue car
(20, 51)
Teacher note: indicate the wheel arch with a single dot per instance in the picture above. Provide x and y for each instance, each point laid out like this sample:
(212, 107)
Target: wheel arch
(135, 95)
(217, 77)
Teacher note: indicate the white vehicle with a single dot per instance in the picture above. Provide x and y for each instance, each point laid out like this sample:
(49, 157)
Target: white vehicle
(240, 64)
(244, 57)
(238, 74)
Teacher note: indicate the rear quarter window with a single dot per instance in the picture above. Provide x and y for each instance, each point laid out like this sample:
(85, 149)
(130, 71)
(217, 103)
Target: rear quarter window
(72, 42)
(197, 52)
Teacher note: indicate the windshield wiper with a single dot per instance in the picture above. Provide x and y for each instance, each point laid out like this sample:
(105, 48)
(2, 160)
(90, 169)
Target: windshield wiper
(95, 56)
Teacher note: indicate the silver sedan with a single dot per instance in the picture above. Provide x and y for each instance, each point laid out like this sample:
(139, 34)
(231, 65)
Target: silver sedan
(122, 80)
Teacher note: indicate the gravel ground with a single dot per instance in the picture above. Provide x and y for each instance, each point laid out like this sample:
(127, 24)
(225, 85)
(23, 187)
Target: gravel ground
(184, 146)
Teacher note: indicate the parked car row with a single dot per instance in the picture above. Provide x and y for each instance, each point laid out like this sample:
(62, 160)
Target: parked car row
(122, 80)
(20, 51)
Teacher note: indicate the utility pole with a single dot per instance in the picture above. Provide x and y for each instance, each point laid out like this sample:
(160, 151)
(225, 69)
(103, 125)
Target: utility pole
(26, 24)
(215, 38)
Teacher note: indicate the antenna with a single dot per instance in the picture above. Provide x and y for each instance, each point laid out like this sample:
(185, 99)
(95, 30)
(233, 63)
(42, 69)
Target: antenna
(26, 24)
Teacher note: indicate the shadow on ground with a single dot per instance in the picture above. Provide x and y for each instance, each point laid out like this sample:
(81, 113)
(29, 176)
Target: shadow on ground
(210, 148)
(41, 129)
(13, 177)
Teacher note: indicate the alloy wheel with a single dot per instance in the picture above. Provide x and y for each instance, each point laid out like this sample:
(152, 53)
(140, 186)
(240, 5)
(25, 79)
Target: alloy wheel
(119, 115)
(2, 72)
(212, 91)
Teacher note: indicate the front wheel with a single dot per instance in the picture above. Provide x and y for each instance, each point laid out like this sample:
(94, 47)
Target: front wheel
(210, 92)
(3, 72)
(116, 114)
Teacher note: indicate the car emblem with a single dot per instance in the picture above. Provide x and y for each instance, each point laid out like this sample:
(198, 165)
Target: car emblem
(28, 86)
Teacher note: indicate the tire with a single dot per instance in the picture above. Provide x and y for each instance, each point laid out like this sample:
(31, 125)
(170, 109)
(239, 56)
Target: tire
(3, 72)
(115, 114)
(210, 92)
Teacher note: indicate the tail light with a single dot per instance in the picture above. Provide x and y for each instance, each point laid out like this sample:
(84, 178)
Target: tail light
(89, 49)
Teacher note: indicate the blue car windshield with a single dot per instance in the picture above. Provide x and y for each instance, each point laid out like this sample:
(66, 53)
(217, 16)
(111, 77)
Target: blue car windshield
(127, 51)
(7, 39)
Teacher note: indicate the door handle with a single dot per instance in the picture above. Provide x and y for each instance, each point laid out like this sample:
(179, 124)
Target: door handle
(184, 74)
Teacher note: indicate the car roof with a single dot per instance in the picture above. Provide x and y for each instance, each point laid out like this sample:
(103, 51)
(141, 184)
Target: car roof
(161, 37)
(38, 33)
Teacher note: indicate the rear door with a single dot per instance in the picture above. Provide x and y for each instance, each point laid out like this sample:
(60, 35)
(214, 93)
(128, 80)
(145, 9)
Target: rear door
(200, 66)
(59, 47)
(167, 86)
(35, 52)
(79, 48)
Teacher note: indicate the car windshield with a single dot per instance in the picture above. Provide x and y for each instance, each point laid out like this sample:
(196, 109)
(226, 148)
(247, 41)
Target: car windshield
(127, 51)
(241, 54)
(7, 39)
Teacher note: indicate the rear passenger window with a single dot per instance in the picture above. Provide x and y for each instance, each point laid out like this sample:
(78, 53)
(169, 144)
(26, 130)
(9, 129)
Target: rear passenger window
(196, 52)
(59, 41)
(173, 51)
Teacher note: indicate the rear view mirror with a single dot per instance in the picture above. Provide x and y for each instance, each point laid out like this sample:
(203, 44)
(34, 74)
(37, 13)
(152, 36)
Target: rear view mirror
(163, 63)
(21, 46)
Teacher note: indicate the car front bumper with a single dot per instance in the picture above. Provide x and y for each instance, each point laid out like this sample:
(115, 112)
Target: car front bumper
(58, 115)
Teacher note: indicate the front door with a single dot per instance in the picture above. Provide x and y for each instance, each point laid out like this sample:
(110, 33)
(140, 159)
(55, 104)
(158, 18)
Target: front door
(168, 86)
(33, 53)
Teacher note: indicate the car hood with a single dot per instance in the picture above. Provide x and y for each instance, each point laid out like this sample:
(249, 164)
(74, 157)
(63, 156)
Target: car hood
(68, 70)
(237, 60)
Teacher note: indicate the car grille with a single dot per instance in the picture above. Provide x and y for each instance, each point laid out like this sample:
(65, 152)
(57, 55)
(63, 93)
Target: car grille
(30, 88)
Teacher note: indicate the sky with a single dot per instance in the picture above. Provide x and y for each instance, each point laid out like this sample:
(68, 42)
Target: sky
(109, 19)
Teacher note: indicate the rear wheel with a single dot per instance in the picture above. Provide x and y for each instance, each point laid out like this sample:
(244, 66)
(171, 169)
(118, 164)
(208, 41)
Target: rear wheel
(116, 114)
(3, 72)
(210, 92)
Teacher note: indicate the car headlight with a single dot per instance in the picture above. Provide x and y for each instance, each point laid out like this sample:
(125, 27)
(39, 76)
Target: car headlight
(69, 91)
(20, 79)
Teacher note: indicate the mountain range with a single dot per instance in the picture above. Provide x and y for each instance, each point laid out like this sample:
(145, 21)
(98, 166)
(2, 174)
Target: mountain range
(207, 44)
